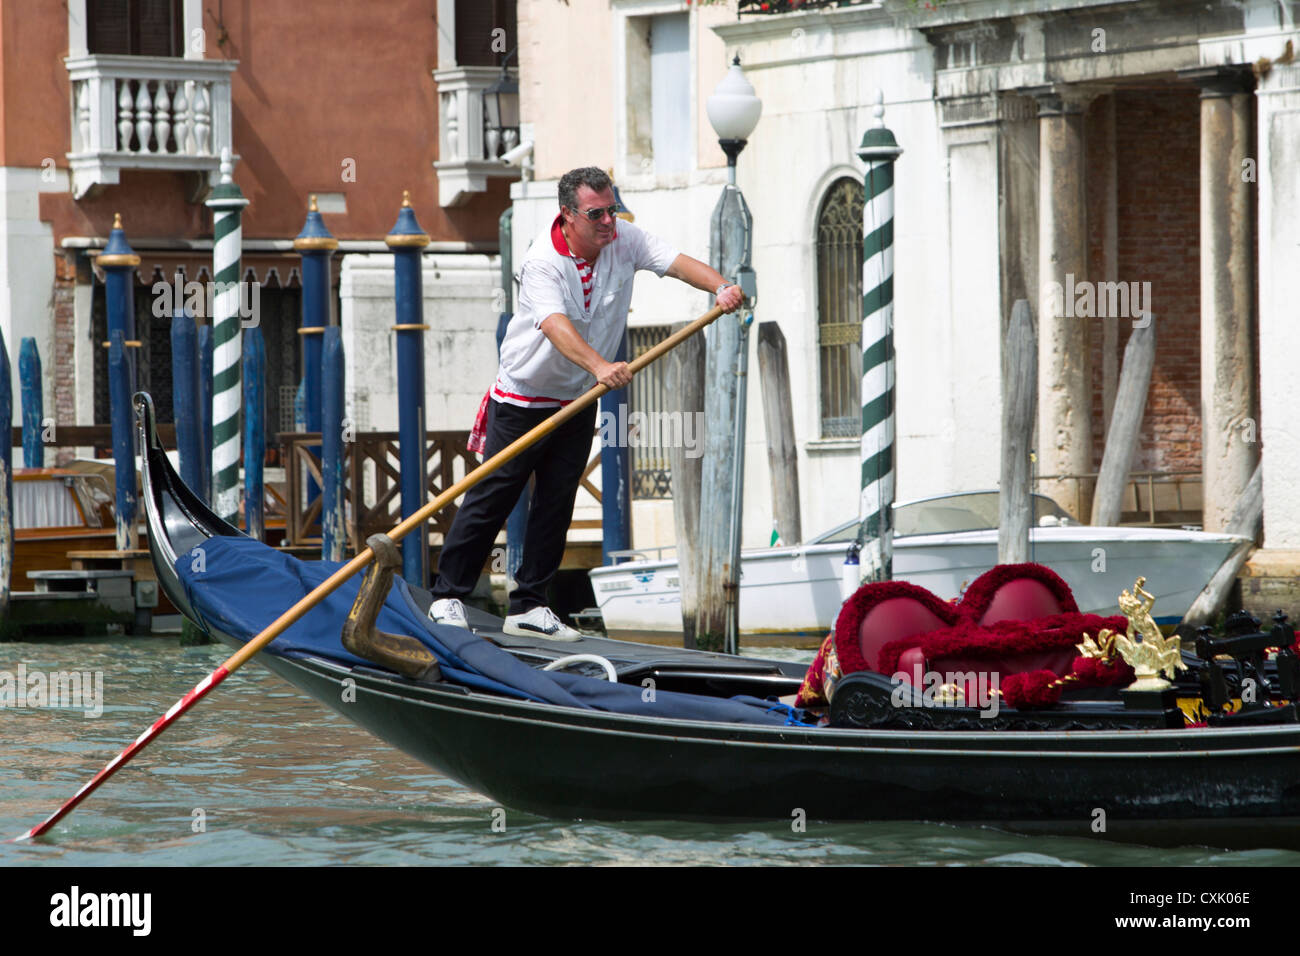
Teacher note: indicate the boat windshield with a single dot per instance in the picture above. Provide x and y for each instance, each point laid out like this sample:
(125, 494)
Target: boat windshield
(948, 514)
(46, 503)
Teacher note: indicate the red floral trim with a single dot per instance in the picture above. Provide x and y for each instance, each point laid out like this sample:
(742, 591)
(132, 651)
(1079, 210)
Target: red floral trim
(968, 639)
(860, 604)
(1038, 689)
(1095, 672)
(982, 590)
(1031, 690)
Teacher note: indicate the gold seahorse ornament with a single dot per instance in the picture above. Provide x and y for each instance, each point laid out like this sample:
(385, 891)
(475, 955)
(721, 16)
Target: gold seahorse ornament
(1142, 646)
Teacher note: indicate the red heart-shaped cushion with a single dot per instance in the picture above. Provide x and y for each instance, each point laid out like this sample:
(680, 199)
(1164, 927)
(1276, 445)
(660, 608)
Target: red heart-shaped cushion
(879, 613)
(1016, 592)
(880, 622)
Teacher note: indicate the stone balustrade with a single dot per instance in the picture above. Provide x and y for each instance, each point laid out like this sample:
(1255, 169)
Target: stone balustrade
(134, 112)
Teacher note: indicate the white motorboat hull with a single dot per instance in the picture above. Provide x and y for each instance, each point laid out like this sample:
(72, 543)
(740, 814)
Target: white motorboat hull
(793, 595)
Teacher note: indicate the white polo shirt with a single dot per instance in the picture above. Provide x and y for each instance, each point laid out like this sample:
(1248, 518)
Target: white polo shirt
(533, 373)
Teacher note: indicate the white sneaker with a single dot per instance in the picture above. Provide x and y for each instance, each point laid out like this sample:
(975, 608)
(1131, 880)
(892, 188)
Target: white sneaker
(448, 611)
(540, 622)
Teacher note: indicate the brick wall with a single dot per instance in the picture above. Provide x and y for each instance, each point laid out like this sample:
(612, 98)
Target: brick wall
(1157, 142)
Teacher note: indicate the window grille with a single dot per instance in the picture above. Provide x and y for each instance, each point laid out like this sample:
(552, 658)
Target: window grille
(839, 308)
(651, 470)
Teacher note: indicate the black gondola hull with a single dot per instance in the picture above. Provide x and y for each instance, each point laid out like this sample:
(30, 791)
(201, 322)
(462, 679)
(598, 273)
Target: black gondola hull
(1223, 786)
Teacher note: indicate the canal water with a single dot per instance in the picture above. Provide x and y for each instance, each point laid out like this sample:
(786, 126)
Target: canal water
(260, 774)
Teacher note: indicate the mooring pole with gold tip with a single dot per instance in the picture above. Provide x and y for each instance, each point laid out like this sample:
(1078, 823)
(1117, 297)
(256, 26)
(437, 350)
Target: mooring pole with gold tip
(316, 246)
(119, 262)
(407, 240)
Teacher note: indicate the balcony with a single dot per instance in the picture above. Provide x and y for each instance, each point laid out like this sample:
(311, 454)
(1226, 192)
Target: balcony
(137, 112)
(468, 150)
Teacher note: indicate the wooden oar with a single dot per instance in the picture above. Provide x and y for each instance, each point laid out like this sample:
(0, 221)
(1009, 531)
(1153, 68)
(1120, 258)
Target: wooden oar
(326, 587)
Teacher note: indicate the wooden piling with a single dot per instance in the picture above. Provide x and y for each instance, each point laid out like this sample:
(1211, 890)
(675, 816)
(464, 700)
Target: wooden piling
(1122, 436)
(684, 387)
(254, 380)
(119, 263)
(778, 417)
(334, 539)
(205, 408)
(1019, 402)
(29, 374)
(123, 440)
(1247, 520)
(615, 471)
(6, 481)
(185, 398)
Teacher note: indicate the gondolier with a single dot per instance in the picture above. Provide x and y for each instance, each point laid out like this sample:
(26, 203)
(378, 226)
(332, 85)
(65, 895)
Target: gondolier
(575, 290)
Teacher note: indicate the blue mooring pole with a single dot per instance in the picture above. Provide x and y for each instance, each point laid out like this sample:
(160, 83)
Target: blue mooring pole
(185, 398)
(254, 359)
(407, 240)
(29, 373)
(333, 538)
(615, 473)
(205, 408)
(316, 246)
(517, 523)
(119, 262)
(6, 480)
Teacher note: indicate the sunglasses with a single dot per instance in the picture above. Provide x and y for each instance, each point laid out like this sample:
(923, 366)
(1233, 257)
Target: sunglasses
(596, 215)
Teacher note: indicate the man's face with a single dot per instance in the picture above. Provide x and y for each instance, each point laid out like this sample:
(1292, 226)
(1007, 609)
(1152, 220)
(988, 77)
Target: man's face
(599, 233)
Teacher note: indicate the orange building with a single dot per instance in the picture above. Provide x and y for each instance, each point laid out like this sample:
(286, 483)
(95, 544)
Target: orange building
(125, 106)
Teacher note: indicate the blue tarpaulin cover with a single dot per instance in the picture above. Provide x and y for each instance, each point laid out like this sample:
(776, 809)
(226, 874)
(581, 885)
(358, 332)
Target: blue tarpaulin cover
(239, 586)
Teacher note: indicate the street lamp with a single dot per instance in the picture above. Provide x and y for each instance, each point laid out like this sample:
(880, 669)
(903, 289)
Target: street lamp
(501, 112)
(734, 111)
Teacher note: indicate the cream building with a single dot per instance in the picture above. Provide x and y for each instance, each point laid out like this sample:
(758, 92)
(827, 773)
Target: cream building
(1047, 145)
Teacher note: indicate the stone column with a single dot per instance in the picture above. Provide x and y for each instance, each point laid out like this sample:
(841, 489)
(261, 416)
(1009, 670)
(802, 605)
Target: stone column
(1272, 577)
(1229, 404)
(1064, 379)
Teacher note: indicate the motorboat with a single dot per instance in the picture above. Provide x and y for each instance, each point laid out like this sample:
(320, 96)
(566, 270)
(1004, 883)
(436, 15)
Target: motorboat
(791, 595)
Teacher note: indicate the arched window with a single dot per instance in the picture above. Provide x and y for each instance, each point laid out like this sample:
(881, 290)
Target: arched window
(839, 308)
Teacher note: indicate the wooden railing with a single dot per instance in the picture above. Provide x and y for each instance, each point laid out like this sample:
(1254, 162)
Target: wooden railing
(1162, 499)
(99, 437)
(372, 483)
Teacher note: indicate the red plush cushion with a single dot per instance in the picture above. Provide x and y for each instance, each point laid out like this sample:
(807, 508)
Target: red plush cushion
(877, 614)
(984, 601)
(1022, 599)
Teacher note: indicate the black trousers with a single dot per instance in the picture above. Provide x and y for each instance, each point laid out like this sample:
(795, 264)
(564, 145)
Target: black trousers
(556, 464)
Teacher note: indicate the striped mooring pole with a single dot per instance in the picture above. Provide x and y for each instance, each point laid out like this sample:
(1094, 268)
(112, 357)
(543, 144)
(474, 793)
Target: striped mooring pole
(407, 240)
(226, 203)
(879, 149)
(119, 262)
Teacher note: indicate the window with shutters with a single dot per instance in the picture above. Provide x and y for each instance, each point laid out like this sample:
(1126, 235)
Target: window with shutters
(839, 302)
(485, 32)
(134, 27)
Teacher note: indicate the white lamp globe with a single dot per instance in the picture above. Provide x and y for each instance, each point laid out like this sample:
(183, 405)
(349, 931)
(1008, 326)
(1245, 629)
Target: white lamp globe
(732, 107)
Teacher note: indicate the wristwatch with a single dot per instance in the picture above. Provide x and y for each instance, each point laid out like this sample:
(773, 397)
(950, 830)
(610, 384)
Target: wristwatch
(718, 291)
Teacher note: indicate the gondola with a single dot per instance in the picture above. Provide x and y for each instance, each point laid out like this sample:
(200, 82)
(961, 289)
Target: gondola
(1232, 784)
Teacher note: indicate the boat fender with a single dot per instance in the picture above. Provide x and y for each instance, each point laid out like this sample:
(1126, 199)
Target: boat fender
(398, 652)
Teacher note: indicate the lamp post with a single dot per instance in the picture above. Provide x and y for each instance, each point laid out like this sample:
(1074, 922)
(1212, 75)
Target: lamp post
(733, 111)
(501, 112)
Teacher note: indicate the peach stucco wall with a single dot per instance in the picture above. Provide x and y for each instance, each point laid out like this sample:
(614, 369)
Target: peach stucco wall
(569, 82)
(567, 86)
(316, 85)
